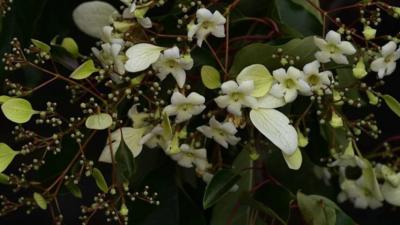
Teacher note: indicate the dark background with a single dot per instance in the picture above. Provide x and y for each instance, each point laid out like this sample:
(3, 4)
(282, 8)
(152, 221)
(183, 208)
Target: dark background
(46, 18)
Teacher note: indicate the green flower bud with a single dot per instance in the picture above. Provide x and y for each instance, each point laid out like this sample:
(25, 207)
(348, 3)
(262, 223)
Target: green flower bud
(336, 121)
(373, 99)
(359, 71)
(369, 32)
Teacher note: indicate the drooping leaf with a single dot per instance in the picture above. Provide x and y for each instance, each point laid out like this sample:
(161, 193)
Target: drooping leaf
(219, 186)
(18, 110)
(100, 181)
(99, 121)
(125, 162)
(84, 71)
(91, 17)
(392, 103)
(41, 45)
(211, 77)
(275, 126)
(141, 56)
(74, 189)
(260, 76)
(71, 46)
(7, 155)
(40, 200)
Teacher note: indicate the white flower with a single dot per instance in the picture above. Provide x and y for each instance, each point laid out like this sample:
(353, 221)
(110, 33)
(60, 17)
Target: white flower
(171, 62)
(288, 83)
(222, 133)
(155, 138)
(185, 107)
(386, 64)
(359, 192)
(135, 12)
(189, 157)
(109, 56)
(109, 37)
(316, 79)
(236, 96)
(207, 23)
(333, 48)
(139, 119)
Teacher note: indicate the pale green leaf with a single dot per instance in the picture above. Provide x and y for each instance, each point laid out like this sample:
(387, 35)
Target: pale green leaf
(18, 110)
(4, 98)
(84, 70)
(71, 46)
(40, 200)
(210, 77)
(260, 76)
(41, 45)
(392, 103)
(316, 210)
(91, 17)
(74, 189)
(294, 160)
(99, 121)
(275, 126)
(141, 56)
(7, 155)
(166, 125)
(100, 181)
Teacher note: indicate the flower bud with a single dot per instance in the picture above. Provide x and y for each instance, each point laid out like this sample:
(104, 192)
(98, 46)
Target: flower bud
(124, 210)
(359, 70)
(336, 120)
(369, 32)
(302, 140)
(373, 99)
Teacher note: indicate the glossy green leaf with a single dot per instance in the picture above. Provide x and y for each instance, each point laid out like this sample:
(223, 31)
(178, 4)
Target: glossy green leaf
(392, 103)
(125, 162)
(18, 110)
(261, 77)
(219, 186)
(309, 6)
(71, 46)
(40, 200)
(211, 77)
(7, 155)
(74, 189)
(100, 181)
(41, 45)
(99, 121)
(84, 70)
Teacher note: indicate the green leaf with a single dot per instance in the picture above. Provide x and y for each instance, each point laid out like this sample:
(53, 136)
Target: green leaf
(40, 200)
(294, 160)
(260, 76)
(4, 178)
(41, 45)
(99, 121)
(74, 189)
(211, 77)
(136, 81)
(310, 8)
(100, 181)
(219, 186)
(18, 110)
(7, 155)
(318, 210)
(4, 98)
(84, 70)
(392, 103)
(125, 162)
(71, 46)
(166, 125)
(260, 53)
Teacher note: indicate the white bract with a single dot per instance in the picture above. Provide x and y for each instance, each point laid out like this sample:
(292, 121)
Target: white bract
(131, 136)
(289, 83)
(141, 56)
(333, 48)
(189, 157)
(386, 64)
(207, 23)
(236, 96)
(185, 107)
(316, 80)
(172, 62)
(222, 133)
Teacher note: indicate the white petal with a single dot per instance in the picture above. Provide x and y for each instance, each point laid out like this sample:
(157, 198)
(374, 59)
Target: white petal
(323, 56)
(196, 98)
(235, 108)
(141, 56)
(391, 193)
(229, 128)
(145, 22)
(347, 48)
(206, 130)
(178, 98)
(333, 37)
(222, 101)
(320, 43)
(270, 102)
(218, 31)
(275, 126)
(91, 17)
(246, 87)
(182, 116)
(170, 110)
(391, 67)
(203, 14)
(172, 53)
(218, 18)
(290, 95)
(180, 76)
(312, 67)
(303, 87)
(277, 90)
(294, 73)
(339, 58)
(378, 64)
(388, 48)
(229, 87)
(279, 74)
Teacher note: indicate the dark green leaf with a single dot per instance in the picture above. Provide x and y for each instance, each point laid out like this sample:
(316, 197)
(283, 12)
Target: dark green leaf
(219, 186)
(247, 199)
(74, 189)
(125, 162)
(392, 103)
